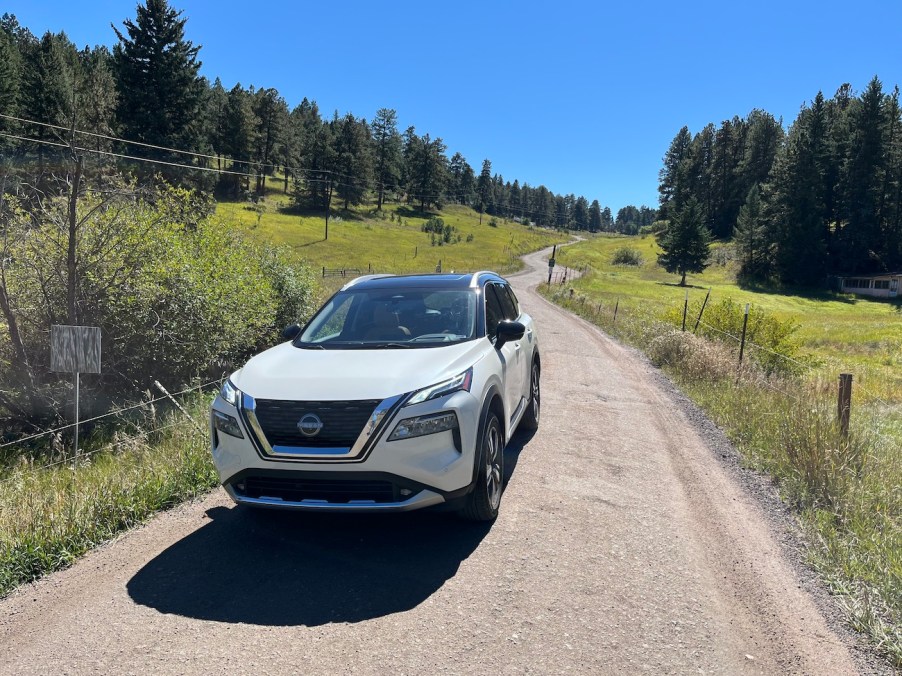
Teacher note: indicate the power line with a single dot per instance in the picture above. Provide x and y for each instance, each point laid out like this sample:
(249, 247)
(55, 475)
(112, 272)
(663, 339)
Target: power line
(296, 170)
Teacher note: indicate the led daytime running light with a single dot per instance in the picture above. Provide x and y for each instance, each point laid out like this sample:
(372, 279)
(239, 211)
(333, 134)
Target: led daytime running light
(458, 383)
(230, 393)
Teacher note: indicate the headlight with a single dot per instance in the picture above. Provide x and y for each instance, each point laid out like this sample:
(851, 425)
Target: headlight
(227, 424)
(458, 383)
(230, 393)
(423, 425)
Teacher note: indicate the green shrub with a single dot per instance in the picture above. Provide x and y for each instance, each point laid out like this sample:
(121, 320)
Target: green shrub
(627, 256)
(770, 341)
(176, 295)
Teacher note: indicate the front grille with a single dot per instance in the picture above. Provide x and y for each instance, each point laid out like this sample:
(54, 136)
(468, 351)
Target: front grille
(333, 491)
(342, 421)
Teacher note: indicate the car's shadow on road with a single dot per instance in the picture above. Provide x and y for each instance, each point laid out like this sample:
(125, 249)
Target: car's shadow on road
(283, 568)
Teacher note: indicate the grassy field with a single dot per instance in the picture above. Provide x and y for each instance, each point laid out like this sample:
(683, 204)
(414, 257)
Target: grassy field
(390, 241)
(844, 334)
(52, 514)
(846, 489)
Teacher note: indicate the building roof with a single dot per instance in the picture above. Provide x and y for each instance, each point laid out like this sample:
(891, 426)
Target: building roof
(872, 275)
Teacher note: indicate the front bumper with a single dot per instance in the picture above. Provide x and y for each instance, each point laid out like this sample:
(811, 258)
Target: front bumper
(422, 471)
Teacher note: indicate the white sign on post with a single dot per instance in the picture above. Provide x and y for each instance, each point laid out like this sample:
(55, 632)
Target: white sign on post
(75, 349)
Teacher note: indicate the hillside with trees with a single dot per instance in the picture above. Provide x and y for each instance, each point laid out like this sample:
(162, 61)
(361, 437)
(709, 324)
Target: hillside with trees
(143, 109)
(823, 198)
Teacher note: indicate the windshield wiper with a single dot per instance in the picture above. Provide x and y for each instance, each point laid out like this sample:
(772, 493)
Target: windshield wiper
(405, 346)
(310, 346)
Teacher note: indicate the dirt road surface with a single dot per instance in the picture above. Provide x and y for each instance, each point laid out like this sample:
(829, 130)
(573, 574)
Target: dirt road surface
(625, 544)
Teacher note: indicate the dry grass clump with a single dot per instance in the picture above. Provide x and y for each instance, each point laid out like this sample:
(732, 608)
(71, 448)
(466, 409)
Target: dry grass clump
(697, 358)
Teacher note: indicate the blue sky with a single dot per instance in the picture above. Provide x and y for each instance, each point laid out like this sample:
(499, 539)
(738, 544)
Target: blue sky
(583, 97)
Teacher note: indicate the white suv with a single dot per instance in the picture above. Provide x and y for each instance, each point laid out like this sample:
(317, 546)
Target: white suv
(399, 394)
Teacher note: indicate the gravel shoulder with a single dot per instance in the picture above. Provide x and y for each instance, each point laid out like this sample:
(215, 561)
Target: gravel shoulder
(629, 540)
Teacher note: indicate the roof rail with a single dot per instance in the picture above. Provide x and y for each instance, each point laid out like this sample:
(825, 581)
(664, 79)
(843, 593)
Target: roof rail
(474, 281)
(363, 278)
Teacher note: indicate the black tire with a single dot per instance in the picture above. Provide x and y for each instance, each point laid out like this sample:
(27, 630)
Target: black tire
(530, 419)
(482, 504)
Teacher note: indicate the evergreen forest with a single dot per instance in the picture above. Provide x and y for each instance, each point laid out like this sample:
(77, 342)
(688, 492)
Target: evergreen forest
(823, 198)
(143, 109)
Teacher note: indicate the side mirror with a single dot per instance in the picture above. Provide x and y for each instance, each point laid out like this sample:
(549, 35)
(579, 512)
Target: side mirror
(291, 332)
(508, 331)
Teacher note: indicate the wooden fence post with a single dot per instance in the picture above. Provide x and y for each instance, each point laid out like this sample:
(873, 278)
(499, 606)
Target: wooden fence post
(844, 402)
(616, 306)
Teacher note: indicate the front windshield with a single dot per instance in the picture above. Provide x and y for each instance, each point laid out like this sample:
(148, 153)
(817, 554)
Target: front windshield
(394, 318)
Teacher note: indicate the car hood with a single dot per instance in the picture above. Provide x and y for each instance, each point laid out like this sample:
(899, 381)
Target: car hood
(288, 372)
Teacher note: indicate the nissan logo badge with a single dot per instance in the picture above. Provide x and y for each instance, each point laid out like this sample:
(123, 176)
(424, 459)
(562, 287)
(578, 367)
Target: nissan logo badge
(310, 425)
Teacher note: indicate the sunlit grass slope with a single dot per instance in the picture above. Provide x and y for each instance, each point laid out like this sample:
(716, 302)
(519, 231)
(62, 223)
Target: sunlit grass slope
(845, 333)
(390, 241)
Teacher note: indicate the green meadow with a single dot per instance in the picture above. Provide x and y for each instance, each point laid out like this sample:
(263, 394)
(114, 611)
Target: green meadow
(391, 240)
(838, 333)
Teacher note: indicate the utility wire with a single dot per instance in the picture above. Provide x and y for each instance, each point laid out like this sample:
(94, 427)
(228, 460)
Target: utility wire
(355, 184)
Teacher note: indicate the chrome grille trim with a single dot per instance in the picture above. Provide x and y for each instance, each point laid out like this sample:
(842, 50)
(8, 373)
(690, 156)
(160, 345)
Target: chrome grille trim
(378, 420)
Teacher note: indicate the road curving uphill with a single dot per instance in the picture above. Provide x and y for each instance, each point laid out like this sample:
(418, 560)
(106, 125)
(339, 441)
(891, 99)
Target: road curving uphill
(625, 543)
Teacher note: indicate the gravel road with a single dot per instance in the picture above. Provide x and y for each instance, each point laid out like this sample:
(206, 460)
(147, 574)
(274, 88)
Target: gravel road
(627, 542)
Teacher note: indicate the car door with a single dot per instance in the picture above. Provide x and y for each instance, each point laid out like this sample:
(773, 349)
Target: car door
(509, 353)
(527, 344)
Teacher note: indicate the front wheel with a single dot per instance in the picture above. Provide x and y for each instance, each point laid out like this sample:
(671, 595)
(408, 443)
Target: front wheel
(482, 504)
(533, 407)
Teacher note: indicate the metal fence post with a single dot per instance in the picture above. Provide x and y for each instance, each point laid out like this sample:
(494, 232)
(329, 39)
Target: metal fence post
(745, 323)
(685, 309)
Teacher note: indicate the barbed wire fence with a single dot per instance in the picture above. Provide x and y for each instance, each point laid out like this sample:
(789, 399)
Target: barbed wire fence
(812, 370)
(184, 419)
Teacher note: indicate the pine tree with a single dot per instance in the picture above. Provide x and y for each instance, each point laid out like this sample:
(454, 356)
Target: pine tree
(685, 242)
(353, 162)
(607, 219)
(426, 168)
(159, 88)
(892, 192)
(271, 113)
(462, 179)
(484, 188)
(750, 236)
(49, 93)
(10, 76)
(215, 103)
(672, 179)
(580, 215)
(387, 152)
(863, 182)
(595, 223)
(240, 127)
(317, 164)
(796, 221)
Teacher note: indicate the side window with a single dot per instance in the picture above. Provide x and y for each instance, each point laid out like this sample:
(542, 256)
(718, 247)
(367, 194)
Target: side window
(493, 311)
(508, 302)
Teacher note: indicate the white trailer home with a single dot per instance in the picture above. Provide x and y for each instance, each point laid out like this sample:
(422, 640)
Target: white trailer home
(885, 285)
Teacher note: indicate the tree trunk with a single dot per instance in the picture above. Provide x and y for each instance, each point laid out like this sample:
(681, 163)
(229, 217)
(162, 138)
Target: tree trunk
(683, 280)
